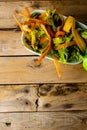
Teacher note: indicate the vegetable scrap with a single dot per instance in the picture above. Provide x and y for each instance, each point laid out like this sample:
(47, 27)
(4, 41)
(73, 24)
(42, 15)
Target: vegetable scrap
(85, 60)
(51, 34)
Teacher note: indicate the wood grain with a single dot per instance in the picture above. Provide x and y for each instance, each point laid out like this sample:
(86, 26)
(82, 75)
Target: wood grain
(62, 97)
(25, 88)
(44, 121)
(18, 70)
(44, 97)
(10, 44)
(65, 7)
(18, 98)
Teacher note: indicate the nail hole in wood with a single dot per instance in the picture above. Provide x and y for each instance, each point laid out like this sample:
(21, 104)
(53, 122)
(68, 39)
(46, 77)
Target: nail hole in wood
(47, 105)
(26, 91)
(66, 106)
(8, 123)
(26, 103)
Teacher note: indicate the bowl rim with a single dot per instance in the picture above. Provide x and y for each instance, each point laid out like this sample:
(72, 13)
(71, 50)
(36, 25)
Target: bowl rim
(36, 53)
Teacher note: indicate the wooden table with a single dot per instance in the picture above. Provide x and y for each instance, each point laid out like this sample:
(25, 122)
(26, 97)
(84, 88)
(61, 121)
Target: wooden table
(34, 98)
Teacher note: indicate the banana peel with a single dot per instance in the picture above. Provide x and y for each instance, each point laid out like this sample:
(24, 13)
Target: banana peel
(79, 40)
(70, 24)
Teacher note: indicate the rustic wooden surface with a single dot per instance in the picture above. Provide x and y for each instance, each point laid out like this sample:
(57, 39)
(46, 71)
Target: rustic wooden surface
(34, 97)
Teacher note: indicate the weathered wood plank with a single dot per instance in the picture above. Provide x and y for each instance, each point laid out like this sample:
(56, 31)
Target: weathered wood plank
(46, 97)
(76, 8)
(24, 70)
(18, 98)
(44, 121)
(10, 44)
(62, 97)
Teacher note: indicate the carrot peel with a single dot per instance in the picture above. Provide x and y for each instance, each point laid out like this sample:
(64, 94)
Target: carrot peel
(66, 44)
(57, 66)
(59, 33)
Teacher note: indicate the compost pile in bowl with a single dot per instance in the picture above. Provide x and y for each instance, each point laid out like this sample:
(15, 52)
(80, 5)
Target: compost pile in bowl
(53, 35)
